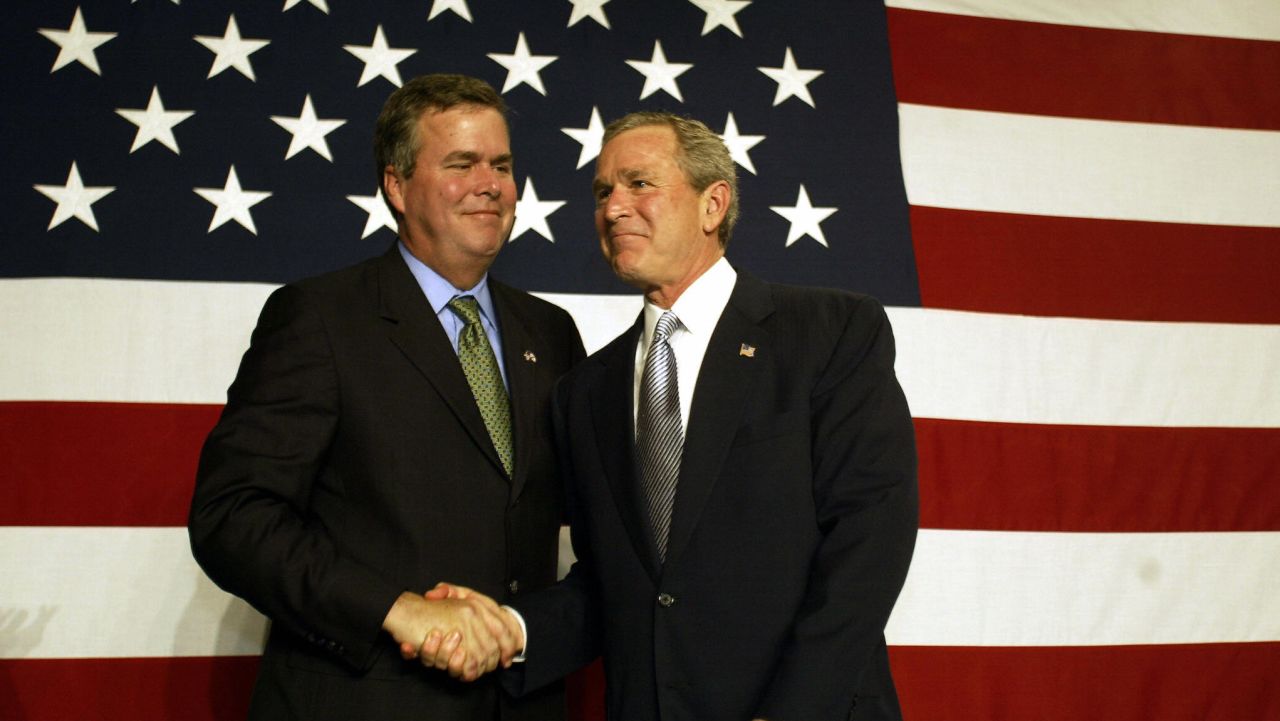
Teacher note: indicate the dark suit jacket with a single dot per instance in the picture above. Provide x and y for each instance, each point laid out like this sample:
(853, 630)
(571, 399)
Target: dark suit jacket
(351, 463)
(793, 525)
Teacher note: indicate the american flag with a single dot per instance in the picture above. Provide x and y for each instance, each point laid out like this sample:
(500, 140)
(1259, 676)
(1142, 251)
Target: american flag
(1072, 210)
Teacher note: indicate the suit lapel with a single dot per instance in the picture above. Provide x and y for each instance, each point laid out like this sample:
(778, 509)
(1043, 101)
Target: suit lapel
(613, 417)
(416, 331)
(520, 353)
(725, 382)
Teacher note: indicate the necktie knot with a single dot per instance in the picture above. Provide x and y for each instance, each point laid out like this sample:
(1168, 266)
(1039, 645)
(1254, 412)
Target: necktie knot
(467, 308)
(667, 325)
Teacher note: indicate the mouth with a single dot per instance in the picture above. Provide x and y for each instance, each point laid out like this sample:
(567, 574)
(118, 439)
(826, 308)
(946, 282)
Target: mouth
(624, 236)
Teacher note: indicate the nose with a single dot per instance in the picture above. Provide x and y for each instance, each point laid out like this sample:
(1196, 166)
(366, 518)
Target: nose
(612, 206)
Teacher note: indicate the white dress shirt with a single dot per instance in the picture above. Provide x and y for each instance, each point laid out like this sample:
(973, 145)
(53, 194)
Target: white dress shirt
(698, 309)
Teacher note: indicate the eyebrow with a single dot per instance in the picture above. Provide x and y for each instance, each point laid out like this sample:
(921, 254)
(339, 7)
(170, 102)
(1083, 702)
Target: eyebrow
(474, 157)
(626, 173)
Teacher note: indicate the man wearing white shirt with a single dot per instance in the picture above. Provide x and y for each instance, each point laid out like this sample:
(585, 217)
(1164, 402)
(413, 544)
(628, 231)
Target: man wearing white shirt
(740, 467)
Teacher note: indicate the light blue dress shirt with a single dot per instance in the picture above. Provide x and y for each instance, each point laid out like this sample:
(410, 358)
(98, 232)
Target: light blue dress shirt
(440, 291)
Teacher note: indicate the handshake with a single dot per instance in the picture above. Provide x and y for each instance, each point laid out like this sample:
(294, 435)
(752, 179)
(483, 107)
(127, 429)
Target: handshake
(455, 629)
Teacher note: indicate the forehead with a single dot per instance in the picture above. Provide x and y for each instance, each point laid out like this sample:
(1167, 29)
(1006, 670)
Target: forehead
(649, 147)
(464, 127)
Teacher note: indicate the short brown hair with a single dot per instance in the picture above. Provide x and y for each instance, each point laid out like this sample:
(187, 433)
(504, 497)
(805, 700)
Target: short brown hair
(702, 156)
(395, 137)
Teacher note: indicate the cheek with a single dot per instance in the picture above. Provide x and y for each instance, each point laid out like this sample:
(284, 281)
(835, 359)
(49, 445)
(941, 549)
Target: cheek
(509, 193)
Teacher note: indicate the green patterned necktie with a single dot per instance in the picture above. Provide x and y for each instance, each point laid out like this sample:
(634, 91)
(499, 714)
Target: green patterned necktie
(481, 368)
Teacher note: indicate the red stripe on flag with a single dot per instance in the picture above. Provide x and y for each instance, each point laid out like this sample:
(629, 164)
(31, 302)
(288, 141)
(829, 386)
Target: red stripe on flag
(191, 689)
(1210, 682)
(1025, 67)
(67, 464)
(1027, 477)
(99, 464)
(1094, 268)
(132, 689)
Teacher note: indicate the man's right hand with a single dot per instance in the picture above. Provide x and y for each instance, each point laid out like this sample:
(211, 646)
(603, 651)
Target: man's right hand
(465, 633)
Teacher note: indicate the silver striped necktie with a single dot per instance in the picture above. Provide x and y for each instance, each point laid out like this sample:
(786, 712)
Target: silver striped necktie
(659, 432)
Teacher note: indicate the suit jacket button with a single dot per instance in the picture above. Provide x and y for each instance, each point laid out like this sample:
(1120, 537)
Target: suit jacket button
(666, 600)
(513, 587)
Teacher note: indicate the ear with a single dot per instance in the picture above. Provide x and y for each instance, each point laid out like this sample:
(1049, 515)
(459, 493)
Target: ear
(393, 188)
(715, 203)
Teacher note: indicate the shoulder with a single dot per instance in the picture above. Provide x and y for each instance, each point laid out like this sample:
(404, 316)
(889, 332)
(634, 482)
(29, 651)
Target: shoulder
(834, 308)
(322, 301)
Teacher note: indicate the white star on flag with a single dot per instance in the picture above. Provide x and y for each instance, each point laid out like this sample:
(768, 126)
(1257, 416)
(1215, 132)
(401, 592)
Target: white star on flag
(231, 50)
(590, 137)
(379, 214)
(660, 74)
(522, 67)
(322, 4)
(791, 80)
(74, 199)
(459, 7)
(379, 59)
(721, 12)
(593, 9)
(155, 123)
(308, 131)
(739, 144)
(531, 213)
(804, 218)
(76, 44)
(232, 203)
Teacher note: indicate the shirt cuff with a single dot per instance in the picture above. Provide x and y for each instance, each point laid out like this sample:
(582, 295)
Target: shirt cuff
(524, 633)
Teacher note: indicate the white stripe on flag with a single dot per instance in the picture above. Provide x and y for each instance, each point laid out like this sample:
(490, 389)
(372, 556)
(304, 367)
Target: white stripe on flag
(87, 592)
(1039, 165)
(1024, 369)
(135, 592)
(992, 588)
(132, 341)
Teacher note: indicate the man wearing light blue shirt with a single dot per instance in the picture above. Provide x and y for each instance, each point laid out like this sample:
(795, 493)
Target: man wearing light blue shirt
(388, 429)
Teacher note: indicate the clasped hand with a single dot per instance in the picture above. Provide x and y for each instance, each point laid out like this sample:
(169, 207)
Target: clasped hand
(455, 629)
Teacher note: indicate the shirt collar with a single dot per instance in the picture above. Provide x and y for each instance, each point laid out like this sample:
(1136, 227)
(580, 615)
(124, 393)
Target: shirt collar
(700, 305)
(440, 291)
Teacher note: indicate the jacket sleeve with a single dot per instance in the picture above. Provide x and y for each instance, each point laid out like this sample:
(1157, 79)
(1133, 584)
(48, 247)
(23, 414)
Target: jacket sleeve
(864, 485)
(249, 524)
(563, 621)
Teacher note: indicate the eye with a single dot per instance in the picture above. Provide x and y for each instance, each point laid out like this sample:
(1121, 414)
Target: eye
(637, 183)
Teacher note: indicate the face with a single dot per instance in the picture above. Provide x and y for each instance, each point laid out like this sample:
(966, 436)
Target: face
(651, 222)
(459, 204)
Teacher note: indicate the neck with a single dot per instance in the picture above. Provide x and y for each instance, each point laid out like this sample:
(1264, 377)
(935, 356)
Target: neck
(664, 296)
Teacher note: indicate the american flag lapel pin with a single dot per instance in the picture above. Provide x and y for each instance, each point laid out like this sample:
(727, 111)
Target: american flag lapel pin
(529, 357)
(747, 351)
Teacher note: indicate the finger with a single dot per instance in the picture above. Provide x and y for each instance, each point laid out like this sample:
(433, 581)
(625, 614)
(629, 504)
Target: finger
(431, 644)
(460, 666)
(448, 649)
(441, 591)
(407, 651)
(459, 592)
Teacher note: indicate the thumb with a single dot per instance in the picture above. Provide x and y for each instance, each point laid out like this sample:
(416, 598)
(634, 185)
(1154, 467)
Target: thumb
(441, 591)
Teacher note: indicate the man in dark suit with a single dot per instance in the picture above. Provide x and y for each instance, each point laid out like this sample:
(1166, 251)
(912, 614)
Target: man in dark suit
(389, 427)
(740, 466)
